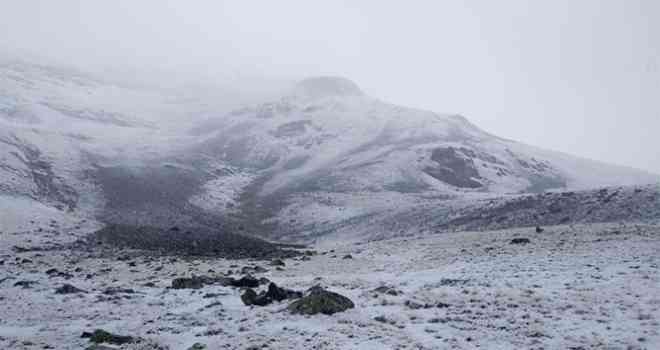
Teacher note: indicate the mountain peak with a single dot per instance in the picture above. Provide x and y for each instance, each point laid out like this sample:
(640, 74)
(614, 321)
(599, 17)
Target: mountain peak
(326, 86)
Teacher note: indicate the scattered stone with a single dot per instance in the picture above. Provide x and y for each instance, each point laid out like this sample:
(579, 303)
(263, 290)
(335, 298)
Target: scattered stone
(318, 300)
(383, 319)
(250, 297)
(197, 346)
(388, 290)
(100, 336)
(413, 305)
(187, 283)
(520, 241)
(246, 281)
(118, 290)
(246, 270)
(274, 293)
(25, 284)
(69, 289)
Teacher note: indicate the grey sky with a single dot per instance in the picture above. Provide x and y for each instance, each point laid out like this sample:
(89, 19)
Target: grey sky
(581, 77)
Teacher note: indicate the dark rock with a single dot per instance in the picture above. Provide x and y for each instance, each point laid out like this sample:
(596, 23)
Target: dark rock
(118, 290)
(25, 284)
(253, 269)
(279, 294)
(187, 283)
(250, 297)
(454, 167)
(318, 300)
(539, 229)
(388, 290)
(69, 289)
(277, 262)
(274, 293)
(246, 281)
(520, 241)
(347, 256)
(197, 346)
(416, 306)
(100, 336)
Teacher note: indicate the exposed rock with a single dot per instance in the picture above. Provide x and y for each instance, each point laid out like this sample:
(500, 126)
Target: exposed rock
(100, 336)
(188, 283)
(69, 289)
(277, 262)
(539, 229)
(25, 284)
(388, 290)
(454, 167)
(250, 297)
(197, 346)
(118, 290)
(520, 241)
(274, 293)
(253, 269)
(246, 281)
(347, 256)
(318, 300)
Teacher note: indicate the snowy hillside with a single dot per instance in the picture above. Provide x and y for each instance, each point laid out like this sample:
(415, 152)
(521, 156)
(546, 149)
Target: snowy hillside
(322, 155)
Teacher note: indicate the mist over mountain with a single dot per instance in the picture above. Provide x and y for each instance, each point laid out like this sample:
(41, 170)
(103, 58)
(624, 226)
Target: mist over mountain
(329, 175)
(301, 163)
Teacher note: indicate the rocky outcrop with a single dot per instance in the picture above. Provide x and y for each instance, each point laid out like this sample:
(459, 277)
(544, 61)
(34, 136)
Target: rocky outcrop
(454, 168)
(318, 300)
(274, 293)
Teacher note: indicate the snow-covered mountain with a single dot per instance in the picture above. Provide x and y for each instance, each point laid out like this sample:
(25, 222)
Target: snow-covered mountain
(322, 156)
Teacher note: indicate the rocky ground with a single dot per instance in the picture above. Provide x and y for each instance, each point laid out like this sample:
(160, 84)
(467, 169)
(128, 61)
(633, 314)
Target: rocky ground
(591, 286)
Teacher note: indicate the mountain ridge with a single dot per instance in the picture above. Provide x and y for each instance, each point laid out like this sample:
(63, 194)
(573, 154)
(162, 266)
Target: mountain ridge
(321, 154)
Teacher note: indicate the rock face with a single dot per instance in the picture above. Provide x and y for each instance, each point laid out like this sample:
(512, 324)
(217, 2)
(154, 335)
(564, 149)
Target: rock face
(317, 300)
(454, 167)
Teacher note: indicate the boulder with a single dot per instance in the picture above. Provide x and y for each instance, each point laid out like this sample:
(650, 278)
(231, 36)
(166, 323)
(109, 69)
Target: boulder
(246, 281)
(100, 336)
(188, 283)
(319, 300)
(274, 293)
(69, 289)
(520, 241)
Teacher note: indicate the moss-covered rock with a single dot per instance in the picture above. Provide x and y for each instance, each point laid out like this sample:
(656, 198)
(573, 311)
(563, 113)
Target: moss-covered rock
(100, 336)
(318, 300)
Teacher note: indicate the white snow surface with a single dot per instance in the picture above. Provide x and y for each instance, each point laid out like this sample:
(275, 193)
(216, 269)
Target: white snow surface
(581, 287)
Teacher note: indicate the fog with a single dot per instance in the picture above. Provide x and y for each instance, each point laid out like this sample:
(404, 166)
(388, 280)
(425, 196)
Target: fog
(582, 77)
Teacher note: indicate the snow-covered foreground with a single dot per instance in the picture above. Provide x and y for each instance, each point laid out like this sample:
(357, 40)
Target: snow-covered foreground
(582, 287)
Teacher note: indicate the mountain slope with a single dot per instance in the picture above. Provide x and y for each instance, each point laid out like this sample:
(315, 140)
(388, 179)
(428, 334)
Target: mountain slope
(323, 156)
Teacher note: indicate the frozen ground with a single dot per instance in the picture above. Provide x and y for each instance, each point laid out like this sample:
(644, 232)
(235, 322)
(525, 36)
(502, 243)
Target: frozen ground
(583, 287)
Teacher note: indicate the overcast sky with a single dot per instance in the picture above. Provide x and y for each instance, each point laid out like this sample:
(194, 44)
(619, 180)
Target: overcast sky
(582, 77)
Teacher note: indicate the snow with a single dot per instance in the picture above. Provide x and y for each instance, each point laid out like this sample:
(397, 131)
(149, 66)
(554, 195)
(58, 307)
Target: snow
(588, 285)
